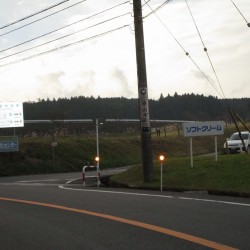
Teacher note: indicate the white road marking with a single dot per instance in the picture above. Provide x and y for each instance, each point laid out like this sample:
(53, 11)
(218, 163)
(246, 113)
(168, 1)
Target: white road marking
(39, 180)
(215, 201)
(31, 182)
(27, 184)
(156, 195)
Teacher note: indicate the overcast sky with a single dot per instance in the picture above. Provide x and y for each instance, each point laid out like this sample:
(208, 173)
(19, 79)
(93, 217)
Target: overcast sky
(105, 66)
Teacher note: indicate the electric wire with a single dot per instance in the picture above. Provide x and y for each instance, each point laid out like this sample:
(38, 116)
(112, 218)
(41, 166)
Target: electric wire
(145, 3)
(62, 47)
(66, 45)
(98, 13)
(155, 10)
(206, 51)
(3, 34)
(36, 13)
(70, 34)
(159, 19)
(152, 12)
(248, 24)
(186, 52)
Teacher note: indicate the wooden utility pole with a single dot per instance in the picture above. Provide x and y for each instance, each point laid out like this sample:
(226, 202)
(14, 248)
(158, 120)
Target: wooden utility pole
(147, 158)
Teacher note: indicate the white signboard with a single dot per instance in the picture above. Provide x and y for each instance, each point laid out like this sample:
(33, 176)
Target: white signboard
(203, 128)
(11, 114)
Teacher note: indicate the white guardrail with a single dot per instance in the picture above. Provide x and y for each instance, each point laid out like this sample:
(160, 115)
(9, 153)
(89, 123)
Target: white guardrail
(97, 176)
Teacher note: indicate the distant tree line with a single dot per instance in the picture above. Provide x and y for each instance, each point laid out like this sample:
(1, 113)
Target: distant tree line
(176, 107)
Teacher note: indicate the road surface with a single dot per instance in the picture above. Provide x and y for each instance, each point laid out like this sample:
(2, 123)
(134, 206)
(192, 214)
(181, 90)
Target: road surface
(43, 212)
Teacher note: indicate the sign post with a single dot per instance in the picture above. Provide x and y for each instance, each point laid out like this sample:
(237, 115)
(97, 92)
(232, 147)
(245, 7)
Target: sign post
(161, 158)
(97, 160)
(191, 129)
(216, 148)
(191, 152)
(53, 145)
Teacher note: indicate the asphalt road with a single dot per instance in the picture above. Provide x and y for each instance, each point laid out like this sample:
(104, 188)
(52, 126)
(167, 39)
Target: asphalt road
(43, 212)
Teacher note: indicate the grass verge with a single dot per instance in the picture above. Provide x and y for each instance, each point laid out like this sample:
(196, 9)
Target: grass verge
(231, 173)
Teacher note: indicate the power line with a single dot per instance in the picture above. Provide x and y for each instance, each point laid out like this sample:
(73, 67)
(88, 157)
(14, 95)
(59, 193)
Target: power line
(73, 33)
(107, 20)
(39, 12)
(155, 10)
(41, 18)
(159, 19)
(146, 3)
(67, 45)
(205, 49)
(101, 12)
(186, 53)
(248, 24)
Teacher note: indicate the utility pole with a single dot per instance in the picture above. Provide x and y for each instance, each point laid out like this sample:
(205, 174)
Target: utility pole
(147, 158)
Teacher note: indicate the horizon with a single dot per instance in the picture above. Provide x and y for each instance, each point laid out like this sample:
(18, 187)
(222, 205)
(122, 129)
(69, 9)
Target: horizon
(130, 98)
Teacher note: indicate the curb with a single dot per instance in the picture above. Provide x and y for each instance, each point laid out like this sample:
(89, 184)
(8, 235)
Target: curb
(114, 184)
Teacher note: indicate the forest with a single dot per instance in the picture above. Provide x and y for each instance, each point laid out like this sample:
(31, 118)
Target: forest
(188, 107)
(176, 107)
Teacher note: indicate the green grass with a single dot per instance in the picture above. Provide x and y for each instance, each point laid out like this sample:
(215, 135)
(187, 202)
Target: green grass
(231, 173)
(71, 154)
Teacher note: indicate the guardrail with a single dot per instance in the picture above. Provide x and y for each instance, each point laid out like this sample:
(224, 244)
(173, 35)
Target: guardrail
(97, 176)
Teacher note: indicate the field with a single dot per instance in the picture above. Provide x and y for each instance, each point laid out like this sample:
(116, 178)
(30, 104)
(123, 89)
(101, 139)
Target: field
(231, 173)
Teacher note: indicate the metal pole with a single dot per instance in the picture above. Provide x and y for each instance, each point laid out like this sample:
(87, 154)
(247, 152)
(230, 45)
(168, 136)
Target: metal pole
(237, 127)
(83, 176)
(161, 176)
(97, 152)
(97, 137)
(53, 150)
(216, 148)
(191, 152)
(147, 158)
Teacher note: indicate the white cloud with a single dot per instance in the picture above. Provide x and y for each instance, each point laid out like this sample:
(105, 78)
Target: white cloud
(107, 66)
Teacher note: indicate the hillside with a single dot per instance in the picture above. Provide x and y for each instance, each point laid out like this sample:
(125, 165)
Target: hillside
(36, 155)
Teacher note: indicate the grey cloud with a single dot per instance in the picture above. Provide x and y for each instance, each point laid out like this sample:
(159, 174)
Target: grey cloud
(51, 86)
(199, 75)
(120, 78)
(210, 82)
(86, 87)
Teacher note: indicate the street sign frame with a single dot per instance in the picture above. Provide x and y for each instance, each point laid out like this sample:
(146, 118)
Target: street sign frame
(9, 144)
(11, 114)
